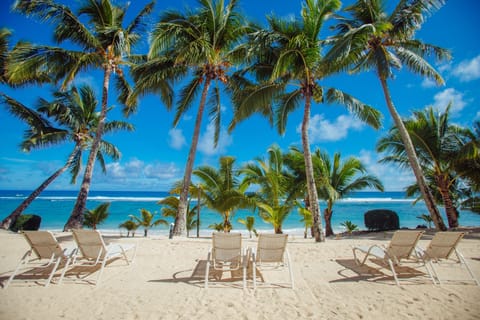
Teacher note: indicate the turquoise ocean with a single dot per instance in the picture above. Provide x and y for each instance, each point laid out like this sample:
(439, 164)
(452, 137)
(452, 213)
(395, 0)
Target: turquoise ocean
(55, 207)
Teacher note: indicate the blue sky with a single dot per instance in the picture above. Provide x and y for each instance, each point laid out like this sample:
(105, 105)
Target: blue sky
(154, 156)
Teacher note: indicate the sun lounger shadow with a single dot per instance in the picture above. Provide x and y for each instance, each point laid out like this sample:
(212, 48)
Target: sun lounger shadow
(355, 273)
(196, 276)
(81, 273)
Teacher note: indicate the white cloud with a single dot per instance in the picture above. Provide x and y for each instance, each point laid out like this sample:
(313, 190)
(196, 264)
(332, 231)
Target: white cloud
(206, 145)
(136, 174)
(468, 70)
(443, 98)
(392, 177)
(428, 83)
(177, 139)
(322, 129)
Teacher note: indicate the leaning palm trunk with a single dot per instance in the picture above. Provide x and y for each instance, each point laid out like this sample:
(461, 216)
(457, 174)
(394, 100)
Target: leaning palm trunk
(450, 210)
(9, 221)
(180, 219)
(311, 187)
(75, 221)
(412, 158)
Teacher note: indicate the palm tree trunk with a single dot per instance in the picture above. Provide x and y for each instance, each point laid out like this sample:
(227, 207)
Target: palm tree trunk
(412, 157)
(311, 187)
(180, 219)
(9, 221)
(75, 221)
(450, 210)
(328, 222)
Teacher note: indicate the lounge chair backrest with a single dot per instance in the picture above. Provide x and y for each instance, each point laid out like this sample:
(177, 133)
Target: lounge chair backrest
(403, 244)
(226, 246)
(271, 247)
(90, 243)
(443, 244)
(43, 244)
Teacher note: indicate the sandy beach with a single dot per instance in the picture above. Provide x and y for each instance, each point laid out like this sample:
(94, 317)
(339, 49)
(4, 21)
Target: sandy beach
(166, 282)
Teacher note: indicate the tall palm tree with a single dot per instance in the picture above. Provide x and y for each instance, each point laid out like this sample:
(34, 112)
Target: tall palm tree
(439, 146)
(103, 43)
(199, 45)
(221, 190)
(271, 176)
(343, 177)
(74, 112)
(287, 61)
(373, 39)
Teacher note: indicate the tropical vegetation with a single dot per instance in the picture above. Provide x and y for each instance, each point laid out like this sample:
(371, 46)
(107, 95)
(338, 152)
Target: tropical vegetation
(147, 221)
(439, 146)
(286, 60)
(370, 38)
(212, 52)
(102, 43)
(92, 218)
(69, 117)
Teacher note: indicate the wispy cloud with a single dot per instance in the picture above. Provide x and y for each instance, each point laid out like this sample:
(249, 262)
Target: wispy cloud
(428, 83)
(468, 70)
(322, 129)
(443, 98)
(393, 178)
(137, 174)
(206, 145)
(177, 139)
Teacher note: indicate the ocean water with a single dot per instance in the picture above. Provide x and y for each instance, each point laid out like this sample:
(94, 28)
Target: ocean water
(55, 207)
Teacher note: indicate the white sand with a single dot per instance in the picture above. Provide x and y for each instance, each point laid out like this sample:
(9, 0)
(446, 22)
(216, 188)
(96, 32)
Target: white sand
(163, 284)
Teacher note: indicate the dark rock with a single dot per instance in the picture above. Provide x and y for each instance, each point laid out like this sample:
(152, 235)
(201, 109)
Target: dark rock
(381, 220)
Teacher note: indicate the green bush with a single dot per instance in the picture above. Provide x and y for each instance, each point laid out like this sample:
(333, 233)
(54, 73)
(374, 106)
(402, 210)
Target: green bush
(27, 222)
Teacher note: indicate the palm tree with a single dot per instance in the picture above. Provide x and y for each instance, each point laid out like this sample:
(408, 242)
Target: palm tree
(249, 223)
(306, 218)
(170, 209)
(146, 220)
(4, 35)
(74, 111)
(288, 57)
(439, 146)
(221, 190)
(273, 180)
(103, 44)
(343, 177)
(373, 39)
(199, 45)
(130, 225)
(92, 218)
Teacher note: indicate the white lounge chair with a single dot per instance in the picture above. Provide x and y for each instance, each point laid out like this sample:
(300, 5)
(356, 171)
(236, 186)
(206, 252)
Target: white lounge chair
(92, 250)
(226, 255)
(271, 254)
(47, 253)
(442, 249)
(401, 247)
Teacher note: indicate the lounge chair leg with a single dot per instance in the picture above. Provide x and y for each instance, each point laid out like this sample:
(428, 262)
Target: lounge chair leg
(393, 271)
(207, 270)
(22, 262)
(57, 263)
(462, 260)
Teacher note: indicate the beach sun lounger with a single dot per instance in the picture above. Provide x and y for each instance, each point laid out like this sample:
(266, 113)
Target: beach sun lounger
(226, 255)
(45, 252)
(401, 247)
(271, 254)
(93, 251)
(442, 249)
